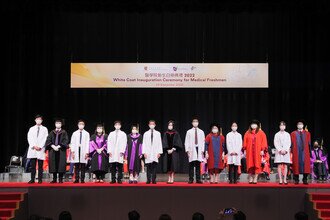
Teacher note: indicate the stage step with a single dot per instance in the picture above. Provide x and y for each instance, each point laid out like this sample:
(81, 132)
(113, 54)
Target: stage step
(321, 204)
(9, 203)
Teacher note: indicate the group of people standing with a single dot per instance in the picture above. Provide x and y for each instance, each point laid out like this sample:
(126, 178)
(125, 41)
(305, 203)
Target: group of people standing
(135, 149)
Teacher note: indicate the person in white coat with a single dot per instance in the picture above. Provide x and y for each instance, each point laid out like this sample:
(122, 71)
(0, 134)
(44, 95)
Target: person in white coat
(79, 148)
(282, 143)
(152, 149)
(117, 141)
(195, 146)
(234, 146)
(37, 136)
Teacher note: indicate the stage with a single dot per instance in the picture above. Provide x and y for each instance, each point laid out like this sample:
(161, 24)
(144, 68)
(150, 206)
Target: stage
(180, 200)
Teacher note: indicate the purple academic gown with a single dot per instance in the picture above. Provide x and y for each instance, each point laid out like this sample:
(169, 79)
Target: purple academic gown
(100, 162)
(323, 158)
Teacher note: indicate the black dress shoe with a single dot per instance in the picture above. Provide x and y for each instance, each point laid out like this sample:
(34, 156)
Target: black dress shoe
(199, 182)
(305, 182)
(130, 182)
(120, 182)
(190, 182)
(113, 182)
(148, 182)
(31, 182)
(54, 181)
(60, 181)
(82, 181)
(154, 182)
(40, 182)
(76, 181)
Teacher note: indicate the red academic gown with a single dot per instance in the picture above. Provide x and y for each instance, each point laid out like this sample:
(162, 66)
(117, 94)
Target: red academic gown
(254, 143)
(295, 158)
(215, 152)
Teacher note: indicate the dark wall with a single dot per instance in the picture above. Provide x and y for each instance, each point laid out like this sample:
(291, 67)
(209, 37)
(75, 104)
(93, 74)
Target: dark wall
(40, 39)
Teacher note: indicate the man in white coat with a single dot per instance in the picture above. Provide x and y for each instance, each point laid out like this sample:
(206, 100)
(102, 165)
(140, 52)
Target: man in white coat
(79, 148)
(152, 149)
(117, 142)
(234, 146)
(37, 136)
(195, 146)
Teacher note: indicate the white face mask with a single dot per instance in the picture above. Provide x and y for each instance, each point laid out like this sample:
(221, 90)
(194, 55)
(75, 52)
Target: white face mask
(134, 131)
(300, 126)
(195, 124)
(117, 127)
(215, 130)
(81, 127)
(99, 130)
(254, 126)
(152, 126)
(58, 125)
(282, 127)
(234, 128)
(38, 121)
(170, 127)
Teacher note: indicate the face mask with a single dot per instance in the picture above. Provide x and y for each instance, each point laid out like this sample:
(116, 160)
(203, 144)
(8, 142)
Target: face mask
(38, 121)
(234, 128)
(58, 125)
(170, 127)
(151, 126)
(81, 127)
(99, 130)
(215, 130)
(300, 126)
(195, 124)
(282, 127)
(316, 146)
(254, 126)
(117, 127)
(134, 131)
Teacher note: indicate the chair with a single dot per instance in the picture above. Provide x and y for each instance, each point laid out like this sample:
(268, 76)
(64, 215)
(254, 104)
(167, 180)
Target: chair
(15, 167)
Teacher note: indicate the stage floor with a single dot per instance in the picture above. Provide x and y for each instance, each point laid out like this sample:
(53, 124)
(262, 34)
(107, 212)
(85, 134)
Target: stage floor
(4, 185)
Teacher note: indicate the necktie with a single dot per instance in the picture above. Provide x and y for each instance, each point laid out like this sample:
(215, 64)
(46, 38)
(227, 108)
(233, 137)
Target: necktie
(56, 139)
(38, 131)
(152, 136)
(196, 139)
(80, 137)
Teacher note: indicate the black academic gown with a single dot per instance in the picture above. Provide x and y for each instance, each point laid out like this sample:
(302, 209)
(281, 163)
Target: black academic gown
(136, 157)
(57, 159)
(99, 159)
(171, 162)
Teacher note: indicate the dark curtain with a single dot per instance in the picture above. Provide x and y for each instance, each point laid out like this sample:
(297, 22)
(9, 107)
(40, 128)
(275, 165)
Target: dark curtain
(41, 39)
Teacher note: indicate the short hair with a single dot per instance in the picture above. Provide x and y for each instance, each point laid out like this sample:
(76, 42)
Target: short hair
(65, 215)
(38, 116)
(282, 122)
(239, 215)
(81, 120)
(165, 217)
(301, 216)
(117, 121)
(195, 118)
(234, 122)
(133, 215)
(197, 216)
(170, 121)
(151, 120)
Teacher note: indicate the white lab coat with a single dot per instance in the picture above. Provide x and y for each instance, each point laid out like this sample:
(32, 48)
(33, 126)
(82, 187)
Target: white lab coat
(234, 145)
(282, 141)
(117, 142)
(84, 148)
(191, 147)
(37, 141)
(152, 150)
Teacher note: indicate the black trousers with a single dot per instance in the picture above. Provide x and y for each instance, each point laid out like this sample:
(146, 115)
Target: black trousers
(195, 164)
(33, 163)
(320, 170)
(296, 177)
(99, 174)
(233, 175)
(60, 176)
(151, 171)
(79, 168)
(114, 167)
